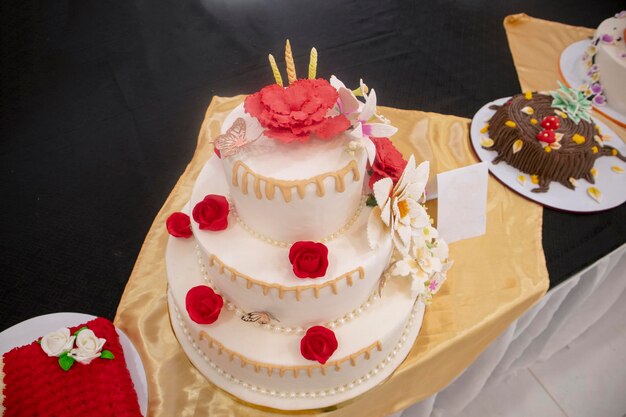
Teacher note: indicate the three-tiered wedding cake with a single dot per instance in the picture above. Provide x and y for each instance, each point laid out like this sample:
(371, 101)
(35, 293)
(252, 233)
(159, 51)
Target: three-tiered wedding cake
(299, 270)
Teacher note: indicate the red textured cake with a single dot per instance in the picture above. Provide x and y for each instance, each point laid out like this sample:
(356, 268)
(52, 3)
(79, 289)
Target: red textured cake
(63, 375)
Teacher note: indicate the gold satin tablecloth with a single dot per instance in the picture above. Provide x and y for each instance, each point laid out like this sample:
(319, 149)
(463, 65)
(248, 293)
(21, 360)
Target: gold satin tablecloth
(495, 278)
(536, 46)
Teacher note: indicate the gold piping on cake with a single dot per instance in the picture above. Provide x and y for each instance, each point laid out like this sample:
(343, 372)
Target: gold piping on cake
(298, 289)
(295, 369)
(286, 186)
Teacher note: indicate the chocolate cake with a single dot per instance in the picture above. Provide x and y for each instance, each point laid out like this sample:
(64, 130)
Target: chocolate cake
(529, 133)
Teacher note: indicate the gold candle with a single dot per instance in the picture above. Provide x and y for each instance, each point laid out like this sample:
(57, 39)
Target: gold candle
(291, 67)
(313, 64)
(277, 77)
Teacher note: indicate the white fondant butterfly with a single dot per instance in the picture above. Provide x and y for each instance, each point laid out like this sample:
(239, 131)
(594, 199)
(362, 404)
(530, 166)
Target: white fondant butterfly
(234, 140)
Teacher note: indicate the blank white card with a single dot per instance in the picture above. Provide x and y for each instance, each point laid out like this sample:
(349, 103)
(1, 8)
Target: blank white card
(462, 202)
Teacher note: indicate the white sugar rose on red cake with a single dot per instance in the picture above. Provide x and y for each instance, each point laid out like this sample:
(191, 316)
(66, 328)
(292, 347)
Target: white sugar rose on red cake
(58, 342)
(301, 306)
(88, 347)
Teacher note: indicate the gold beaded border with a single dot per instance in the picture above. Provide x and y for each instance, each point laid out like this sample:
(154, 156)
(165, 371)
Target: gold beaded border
(282, 244)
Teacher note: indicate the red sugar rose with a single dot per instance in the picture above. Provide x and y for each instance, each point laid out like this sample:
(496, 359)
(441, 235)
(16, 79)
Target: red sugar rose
(309, 259)
(388, 163)
(212, 213)
(318, 344)
(297, 111)
(546, 136)
(203, 304)
(178, 225)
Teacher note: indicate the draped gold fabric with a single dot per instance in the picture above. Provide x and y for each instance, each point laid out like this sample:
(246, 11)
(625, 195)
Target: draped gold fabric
(536, 46)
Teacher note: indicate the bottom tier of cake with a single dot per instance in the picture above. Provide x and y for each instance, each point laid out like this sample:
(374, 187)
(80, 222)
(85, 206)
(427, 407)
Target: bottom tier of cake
(265, 367)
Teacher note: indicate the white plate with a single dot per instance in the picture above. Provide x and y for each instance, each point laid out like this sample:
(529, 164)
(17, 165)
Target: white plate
(573, 72)
(611, 184)
(25, 332)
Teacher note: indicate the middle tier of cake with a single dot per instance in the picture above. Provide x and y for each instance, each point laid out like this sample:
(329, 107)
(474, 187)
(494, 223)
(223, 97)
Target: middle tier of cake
(256, 277)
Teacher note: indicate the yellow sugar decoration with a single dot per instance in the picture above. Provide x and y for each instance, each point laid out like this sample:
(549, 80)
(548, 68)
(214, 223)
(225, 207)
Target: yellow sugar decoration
(534, 121)
(517, 145)
(560, 113)
(614, 152)
(486, 142)
(275, 71)
(510, 123)
(594, 193)
(528, 110)
(578, 139)
(528, 95)
(485, 128)
(594, 172)
(573, 181)
(617, 169)
(534, 179)
(521, 179)
(594, 149)
(597, 128)
(547, 149)
(291, 66)
(313, 64)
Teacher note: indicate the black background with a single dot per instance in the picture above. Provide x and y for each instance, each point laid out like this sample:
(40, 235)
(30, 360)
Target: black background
(102, 102)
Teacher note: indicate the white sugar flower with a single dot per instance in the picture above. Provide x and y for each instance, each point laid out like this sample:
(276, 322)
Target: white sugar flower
(57, 343)
(398, 211)
(426, 265)
(88, 347)
(360, 114)
(364, 128)
(348, 104)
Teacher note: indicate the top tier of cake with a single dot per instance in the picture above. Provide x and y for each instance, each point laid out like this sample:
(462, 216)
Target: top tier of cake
(610, 58)
(295, 191)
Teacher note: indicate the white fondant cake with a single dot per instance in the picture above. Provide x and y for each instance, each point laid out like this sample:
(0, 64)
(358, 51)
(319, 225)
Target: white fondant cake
(606, 62)
(286, 289)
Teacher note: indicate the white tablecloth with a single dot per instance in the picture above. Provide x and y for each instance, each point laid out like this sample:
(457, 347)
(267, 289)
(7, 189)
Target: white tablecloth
(565, 313)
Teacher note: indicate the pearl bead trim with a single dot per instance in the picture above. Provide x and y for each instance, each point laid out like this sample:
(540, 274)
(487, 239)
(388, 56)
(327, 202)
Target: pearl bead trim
(230, 306)
(282, 244)
(304, 394)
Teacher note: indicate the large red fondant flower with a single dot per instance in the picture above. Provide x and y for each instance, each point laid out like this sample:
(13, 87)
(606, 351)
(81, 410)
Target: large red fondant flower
(212, 212)
(178, 225)
(318, 344)
(388, 163)
(309, 259)
(203, 304)
(297, 111)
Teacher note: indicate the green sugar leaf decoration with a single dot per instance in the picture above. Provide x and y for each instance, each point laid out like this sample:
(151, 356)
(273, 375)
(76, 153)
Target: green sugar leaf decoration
(371, 201)
(66, 361)
(80, 330)
(107, 354)
(572, 102)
